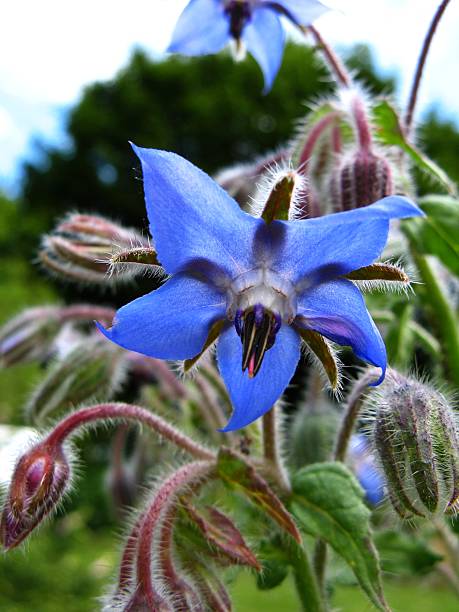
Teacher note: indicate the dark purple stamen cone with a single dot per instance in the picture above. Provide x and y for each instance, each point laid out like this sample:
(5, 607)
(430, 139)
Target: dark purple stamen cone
(239, 14)
(258, 328)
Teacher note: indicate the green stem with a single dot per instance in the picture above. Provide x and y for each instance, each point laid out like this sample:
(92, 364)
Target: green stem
(445, 317)
(305, 581)
(271, 451)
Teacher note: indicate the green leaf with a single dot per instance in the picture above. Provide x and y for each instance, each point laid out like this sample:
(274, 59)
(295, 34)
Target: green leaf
(329, 504)
(238, 473)
(389, 131)
(438, 233)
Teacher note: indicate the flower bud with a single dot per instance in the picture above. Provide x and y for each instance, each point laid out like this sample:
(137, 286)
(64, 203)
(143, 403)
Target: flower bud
(40, 478)
(82, 247)
(416, 440)
(93, 369)
(360, 178)
(314, 431)
(29, 336)
(281, 194)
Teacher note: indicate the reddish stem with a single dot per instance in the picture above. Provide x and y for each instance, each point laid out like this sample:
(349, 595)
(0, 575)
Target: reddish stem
(421, 63)
(362, 124)
(313, 137)
(102, 412)
(173, 486)
(87, 312)
(333, 61)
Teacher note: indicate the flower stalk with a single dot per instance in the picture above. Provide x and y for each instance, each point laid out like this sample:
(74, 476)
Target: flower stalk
(421, 64)
(102, 412)
(271, 451)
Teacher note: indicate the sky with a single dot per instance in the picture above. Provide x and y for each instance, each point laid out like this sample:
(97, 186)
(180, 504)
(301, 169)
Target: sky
(49, 50)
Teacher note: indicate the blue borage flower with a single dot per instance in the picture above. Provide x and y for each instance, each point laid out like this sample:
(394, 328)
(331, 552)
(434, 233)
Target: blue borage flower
(206, 26)
(254, 284)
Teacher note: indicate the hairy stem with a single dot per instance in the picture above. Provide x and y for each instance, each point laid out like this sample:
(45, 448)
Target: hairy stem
(335, 64)
(87, 312)
(104, 412)
(185, 476)
(421, 64)
(271, 451)
(351, 414)
(305, 581)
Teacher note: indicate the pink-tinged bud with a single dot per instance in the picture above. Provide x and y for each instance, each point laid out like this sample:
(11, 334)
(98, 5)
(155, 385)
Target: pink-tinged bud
(41, 477)
(361, 178)
(361, 175)
(88, 249)
(29, 336)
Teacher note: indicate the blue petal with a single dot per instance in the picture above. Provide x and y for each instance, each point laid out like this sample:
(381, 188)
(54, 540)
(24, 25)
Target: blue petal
(170, 323)
(265, 40)
(337, 310)
(202, 28)
(371, 481)
(193, 221)
(252, 397)
(303, 12)
(326, 247)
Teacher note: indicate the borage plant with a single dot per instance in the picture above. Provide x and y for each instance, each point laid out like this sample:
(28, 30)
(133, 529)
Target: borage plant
(264, 282)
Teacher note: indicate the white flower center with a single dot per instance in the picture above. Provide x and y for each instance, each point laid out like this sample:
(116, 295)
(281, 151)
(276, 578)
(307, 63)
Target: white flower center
(261, 286)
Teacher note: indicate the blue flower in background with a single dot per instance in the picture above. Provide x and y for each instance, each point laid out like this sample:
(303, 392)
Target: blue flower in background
(206, 26)
(364, 466)
(262, 281)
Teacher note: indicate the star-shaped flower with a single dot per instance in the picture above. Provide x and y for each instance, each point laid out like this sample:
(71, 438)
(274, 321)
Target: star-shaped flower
(256, 286)
(206, 26)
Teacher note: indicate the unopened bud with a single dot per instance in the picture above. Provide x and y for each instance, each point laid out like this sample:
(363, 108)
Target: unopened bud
(29, 336)
(88, 248)
(313, 433)
(40, 478)
(416, 440)
(281, 194)
(93, 369)
(361, 178)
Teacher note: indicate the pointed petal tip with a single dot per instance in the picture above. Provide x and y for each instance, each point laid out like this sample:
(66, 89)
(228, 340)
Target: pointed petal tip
(377, 382)
(103, 330)
(239, 420)
(403, 206)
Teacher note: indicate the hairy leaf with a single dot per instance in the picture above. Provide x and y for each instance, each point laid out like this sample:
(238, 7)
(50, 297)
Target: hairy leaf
(389, 131)
(329, 504)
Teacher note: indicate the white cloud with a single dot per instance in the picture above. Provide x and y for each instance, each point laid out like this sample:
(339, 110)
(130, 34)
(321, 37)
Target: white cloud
(51, 49)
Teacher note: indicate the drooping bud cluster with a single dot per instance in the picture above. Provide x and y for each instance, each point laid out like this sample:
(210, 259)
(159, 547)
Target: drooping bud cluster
(29, 336)
(40, 479)
(91, 249)
(93, 369)
(34, 334)
(416, 439)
